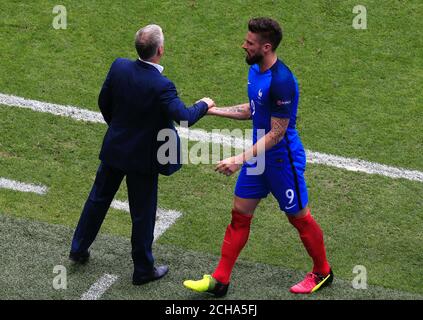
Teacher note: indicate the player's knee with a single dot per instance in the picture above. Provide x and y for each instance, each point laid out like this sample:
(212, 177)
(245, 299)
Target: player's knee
(297, 215)
(241, 209)
(245, 206)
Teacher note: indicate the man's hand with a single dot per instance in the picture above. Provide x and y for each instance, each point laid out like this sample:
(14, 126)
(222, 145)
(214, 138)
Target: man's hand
(210, 102)
(212, 110)
(238, 112)
(230, 165)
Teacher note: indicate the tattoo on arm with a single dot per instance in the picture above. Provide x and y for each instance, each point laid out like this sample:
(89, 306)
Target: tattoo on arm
(235, 109)
(279, 126)
(276, 134)
(241, 111)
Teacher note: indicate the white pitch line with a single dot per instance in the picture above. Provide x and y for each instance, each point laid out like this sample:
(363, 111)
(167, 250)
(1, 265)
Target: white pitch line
(313, 157)
(99, 287)
(164, 218)
(22, 187)
(56, 109)
(350, 164)
(358, 165)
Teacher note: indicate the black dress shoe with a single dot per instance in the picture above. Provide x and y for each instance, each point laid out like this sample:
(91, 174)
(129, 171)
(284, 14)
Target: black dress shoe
(79, 257)
(156, 274)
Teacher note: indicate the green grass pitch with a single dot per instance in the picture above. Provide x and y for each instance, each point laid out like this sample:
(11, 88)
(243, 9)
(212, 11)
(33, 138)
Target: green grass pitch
(360, 98)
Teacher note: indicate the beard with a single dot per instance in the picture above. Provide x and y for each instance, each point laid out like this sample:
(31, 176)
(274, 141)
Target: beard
(253, 59)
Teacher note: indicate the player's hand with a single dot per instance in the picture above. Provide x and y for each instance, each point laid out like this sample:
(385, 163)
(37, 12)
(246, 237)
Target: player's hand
(229, 166)
(210, 102)
(212, 110)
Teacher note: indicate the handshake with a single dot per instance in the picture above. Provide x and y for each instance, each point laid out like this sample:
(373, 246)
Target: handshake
(210, 102)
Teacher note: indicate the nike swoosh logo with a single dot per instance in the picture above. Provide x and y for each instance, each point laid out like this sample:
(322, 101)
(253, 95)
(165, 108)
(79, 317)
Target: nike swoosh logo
(287, 208)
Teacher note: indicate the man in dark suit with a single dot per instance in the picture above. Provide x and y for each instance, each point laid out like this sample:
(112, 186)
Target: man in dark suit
(136, 101)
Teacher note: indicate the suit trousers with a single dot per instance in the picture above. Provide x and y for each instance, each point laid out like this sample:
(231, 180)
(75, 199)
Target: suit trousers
(142, 195)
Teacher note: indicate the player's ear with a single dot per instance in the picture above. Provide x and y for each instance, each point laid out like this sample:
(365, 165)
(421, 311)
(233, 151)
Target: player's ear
(267, 47)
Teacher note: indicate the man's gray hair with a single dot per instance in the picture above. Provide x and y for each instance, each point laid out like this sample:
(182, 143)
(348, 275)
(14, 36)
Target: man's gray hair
(148, 40)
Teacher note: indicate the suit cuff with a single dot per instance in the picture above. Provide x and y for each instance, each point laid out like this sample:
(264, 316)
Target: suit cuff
(204, 106)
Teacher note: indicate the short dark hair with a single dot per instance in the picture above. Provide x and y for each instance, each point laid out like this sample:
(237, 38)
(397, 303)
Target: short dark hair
(268, 29)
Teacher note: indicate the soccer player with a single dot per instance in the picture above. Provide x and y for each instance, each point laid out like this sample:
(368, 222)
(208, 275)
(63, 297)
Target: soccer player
(273, 94)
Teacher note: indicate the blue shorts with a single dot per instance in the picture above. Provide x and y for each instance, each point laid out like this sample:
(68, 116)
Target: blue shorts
(283, 177)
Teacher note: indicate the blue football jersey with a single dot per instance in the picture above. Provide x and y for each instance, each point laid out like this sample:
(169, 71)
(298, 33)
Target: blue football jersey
(274, 93)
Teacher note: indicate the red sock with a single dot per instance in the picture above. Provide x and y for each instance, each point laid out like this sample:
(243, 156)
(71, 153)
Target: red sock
(312, 238)
(236, 237)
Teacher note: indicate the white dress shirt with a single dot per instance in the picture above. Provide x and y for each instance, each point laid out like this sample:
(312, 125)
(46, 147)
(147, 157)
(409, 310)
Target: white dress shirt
(155, 65)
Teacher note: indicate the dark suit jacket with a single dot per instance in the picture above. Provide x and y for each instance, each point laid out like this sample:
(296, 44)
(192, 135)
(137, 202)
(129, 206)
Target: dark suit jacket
(136, 101)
